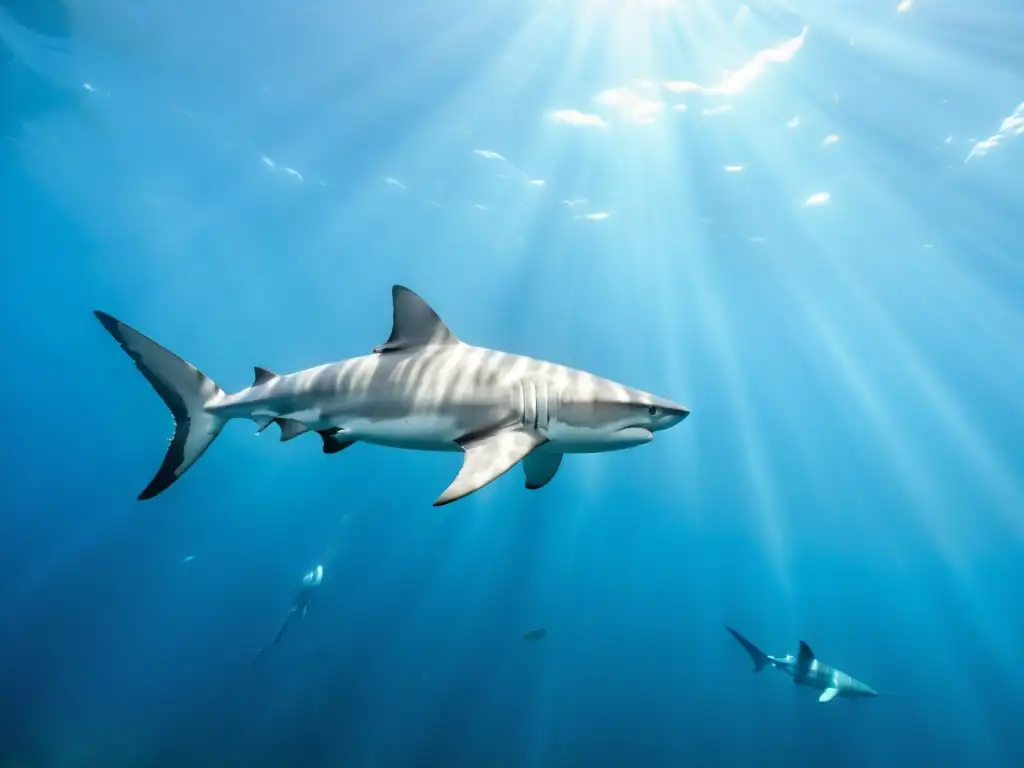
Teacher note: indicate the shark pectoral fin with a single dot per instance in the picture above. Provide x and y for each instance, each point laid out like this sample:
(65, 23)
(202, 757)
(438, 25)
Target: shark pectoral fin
(828, 695)
(290, 428)
(540, 468)
(488, 458)
(414, 323)
(334, 440)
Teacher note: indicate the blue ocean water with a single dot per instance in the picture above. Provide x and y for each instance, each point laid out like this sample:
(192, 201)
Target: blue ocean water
(799, 219)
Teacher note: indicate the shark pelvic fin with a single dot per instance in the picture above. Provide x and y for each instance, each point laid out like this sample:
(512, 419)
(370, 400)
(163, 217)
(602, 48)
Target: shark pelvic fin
(262, 376)
(828, 695)
(487, 458)
(185, 390)
(415, 323)
(334, 440)
(540, 468)
(290, 428)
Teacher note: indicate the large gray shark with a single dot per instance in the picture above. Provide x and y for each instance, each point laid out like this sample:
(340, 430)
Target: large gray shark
(806, 669)
(422, 389)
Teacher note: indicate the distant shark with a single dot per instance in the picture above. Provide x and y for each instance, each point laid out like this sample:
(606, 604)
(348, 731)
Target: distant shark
(806, 669)
(310, 582)
(423, 389)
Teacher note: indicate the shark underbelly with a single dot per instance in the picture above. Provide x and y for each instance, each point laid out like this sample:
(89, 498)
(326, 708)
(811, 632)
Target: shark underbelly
(396, 416)
(819, 680)
(420, 432)
(564, 438)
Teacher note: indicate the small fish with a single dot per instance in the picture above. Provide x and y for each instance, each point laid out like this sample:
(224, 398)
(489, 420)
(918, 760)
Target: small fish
(534, 634)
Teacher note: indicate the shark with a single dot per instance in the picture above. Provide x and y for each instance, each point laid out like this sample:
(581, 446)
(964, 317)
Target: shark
(806, 669)
(423, 389)
(300, 604)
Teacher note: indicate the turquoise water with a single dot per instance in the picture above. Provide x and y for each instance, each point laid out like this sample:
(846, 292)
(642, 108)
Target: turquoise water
(800, 221)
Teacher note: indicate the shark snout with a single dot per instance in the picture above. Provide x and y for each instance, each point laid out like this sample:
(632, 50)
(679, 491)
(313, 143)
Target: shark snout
(859, 689)
(671, 414)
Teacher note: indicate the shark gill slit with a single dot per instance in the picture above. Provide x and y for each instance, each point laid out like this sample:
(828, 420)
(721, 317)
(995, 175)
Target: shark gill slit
(543, 406)
(529, 403)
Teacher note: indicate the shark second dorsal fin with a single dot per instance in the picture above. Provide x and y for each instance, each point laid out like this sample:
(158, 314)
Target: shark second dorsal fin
(415, 323)
(263, 375)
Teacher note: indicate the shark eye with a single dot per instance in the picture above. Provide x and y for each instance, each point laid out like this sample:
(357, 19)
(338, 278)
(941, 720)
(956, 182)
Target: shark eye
(652, 410)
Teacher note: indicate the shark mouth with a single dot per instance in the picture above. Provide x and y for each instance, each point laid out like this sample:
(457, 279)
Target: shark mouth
(635, 433)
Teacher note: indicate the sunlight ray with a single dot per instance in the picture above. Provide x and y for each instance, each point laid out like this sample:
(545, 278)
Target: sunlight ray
(922, 488)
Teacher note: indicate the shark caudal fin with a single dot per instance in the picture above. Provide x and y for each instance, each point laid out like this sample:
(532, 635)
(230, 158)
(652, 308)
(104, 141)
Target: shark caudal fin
(759, 657)
(186, 392)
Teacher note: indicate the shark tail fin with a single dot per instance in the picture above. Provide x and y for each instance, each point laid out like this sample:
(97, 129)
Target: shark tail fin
(184, 389)
(759, 657)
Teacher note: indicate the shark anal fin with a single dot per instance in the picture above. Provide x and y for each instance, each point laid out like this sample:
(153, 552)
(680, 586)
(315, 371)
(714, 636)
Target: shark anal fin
(334, 440)
(415, 323)
(290, 428)
(828, 695)
(262, 422)
(262, 376)
(487, 458)
(540, 468)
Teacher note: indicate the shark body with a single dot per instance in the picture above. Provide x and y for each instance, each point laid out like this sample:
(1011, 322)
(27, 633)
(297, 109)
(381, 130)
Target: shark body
(423, 389)
(807, 670)
(300, 604)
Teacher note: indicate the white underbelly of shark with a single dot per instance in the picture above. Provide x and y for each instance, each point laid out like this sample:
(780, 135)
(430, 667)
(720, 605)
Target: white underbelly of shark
(421, 433)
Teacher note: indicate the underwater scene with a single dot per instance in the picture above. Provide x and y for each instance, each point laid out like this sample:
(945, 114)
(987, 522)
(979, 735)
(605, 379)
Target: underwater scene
(511, 384)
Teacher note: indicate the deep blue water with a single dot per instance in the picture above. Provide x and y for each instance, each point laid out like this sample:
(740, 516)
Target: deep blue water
(245, 182)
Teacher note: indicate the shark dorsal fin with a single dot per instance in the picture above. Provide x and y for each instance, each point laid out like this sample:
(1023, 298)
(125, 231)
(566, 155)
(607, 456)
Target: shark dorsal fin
(804, 659)
(415, 323)
(263, 375)
(806, 654)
